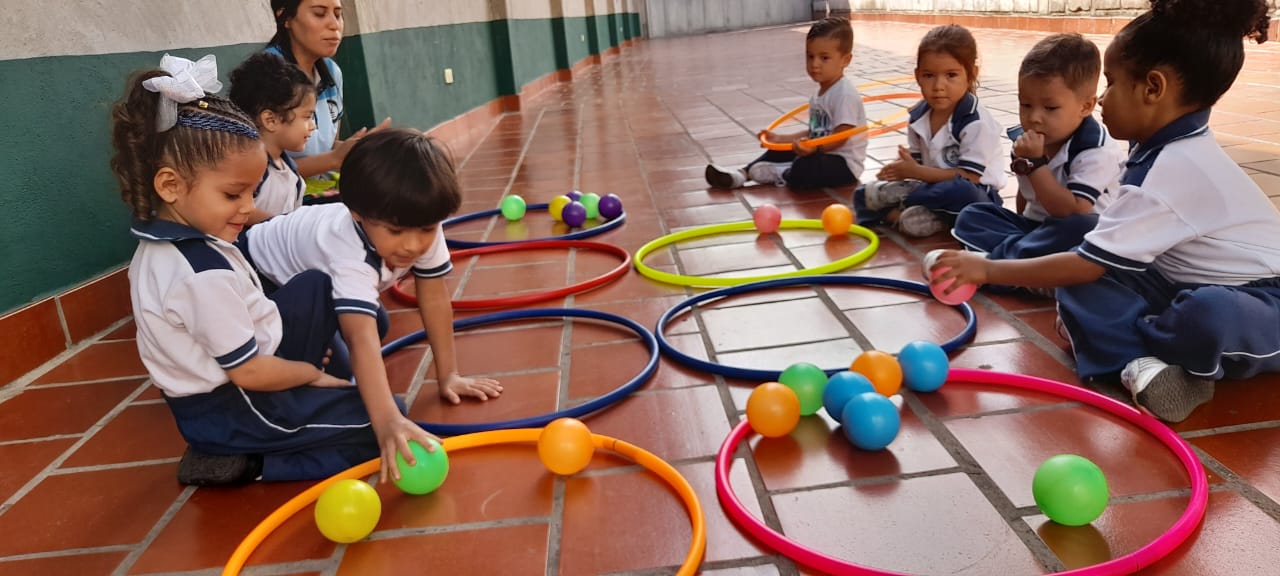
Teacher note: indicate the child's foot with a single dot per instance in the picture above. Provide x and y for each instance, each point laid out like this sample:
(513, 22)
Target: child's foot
(882, 194)
(200, 469)
(769, 172)
(919, 222)
(1164, 391)
(726, 178)
(1061, 328)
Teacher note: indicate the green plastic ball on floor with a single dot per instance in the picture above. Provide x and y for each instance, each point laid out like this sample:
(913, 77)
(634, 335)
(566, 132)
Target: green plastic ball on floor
(1070, 490)
(808, 382)
(591, 201)
(427, 474)
(513, 208)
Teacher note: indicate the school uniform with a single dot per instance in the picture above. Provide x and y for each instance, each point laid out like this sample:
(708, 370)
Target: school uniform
(1088, 165)
(1191, 248)
(281, 190)
(970, 141)
(200, 312)
(838, 164)
(327, 238)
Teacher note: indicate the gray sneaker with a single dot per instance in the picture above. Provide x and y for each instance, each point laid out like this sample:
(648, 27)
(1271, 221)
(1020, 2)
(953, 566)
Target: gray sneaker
(726, 178)
(1165, 391)
(769, 172)
(881, 194)
(920, 222)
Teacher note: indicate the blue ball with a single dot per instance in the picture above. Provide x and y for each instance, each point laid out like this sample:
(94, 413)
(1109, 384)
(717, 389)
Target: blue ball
(924, 366)
(840, 388)
(871, 421)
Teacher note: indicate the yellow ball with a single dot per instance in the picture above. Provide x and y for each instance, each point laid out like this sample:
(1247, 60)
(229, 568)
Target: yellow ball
(556, 207)
(348, 511)
(565, 446)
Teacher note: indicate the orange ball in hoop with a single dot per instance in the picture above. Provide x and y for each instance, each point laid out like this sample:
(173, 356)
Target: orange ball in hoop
(874, 128)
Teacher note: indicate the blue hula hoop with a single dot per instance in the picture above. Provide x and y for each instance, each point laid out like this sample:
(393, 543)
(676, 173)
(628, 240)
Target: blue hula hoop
(579, 235)
(583, 409)
(965, 336)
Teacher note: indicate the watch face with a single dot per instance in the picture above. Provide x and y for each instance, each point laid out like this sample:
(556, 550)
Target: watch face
(1022, 166)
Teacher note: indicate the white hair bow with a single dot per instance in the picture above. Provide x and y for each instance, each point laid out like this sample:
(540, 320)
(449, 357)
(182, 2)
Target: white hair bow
(187, 81)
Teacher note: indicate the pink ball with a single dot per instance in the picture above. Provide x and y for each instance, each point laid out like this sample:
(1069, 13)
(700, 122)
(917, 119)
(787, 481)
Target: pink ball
(959, 296)
(767, 218)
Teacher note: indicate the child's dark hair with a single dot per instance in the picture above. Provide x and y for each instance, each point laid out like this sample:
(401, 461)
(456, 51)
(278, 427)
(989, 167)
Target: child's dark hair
(1198, 40)
(1068, 56)
(265, 82)
(206, 131)
(837, 28)
(957, 42)
(401, 177)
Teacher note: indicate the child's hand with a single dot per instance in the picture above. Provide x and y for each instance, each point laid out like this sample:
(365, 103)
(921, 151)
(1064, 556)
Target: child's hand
(1029, 145)
(342, 147)
(892, 171)
(330, 381)
(801, 149)
(455, 386)
(393, 436)
(965, 267)
(768, 136)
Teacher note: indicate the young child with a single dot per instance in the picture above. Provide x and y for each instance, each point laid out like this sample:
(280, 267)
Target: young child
(282, 102)
(1065, 163)
(1177, 285)
(240, 372)
(952, 158)
(397, 188)
(836, 107)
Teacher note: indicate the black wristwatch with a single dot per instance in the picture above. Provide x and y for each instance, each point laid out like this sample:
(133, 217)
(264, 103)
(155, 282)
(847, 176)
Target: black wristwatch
(1025, 166)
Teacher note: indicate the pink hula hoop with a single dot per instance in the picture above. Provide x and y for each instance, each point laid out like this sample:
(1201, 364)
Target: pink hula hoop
(1129, 563)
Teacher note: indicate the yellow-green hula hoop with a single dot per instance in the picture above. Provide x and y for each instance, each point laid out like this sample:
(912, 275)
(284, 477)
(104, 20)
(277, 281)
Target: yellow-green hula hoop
(704, 282)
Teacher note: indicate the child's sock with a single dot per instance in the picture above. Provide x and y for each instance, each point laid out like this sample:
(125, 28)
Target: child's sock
(726, 178)
(1167, 392)
(200, 469)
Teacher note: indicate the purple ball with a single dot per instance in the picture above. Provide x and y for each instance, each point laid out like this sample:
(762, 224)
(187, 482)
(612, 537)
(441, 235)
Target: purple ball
(574, 214)
(575, 195)
(610, 206)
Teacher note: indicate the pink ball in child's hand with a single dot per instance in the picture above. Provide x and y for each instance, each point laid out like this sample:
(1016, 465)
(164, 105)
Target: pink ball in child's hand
(767, 218)
(959, 296)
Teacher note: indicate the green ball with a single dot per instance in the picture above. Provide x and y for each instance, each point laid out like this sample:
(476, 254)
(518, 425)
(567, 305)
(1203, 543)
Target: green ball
(513, 208)
(591, 201)
(429, 472)
(808, 382)
(1070, 490)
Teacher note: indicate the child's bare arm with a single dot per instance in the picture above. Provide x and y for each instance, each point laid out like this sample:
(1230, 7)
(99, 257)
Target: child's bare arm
(906, 167)
(1054, 270)
(437, 317)
(265, 373)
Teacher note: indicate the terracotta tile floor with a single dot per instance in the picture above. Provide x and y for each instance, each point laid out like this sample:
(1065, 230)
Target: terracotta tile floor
(89, 450)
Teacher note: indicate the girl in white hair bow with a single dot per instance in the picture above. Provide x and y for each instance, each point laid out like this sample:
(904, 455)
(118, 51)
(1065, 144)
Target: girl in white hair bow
(241, 372)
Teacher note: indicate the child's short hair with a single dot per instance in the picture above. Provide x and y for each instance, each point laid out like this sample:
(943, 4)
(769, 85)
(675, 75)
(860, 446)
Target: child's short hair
(1199, 40)
(1068, 56)
(401, 177)
(838, 28)
(266, 82)
(206, 130)
(957, 42)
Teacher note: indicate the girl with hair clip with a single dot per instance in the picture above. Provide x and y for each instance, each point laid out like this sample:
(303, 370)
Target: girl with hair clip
(308, 33)
(1177, 286)
(240, 372)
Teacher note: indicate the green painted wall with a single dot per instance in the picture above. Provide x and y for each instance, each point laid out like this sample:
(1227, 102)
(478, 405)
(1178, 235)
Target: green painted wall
(64, 221)
(533, 49)
(571, 41)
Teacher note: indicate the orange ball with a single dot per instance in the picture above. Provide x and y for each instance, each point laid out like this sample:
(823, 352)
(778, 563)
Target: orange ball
(773, 410)
(836, 219)
(881, 369)
(565, 446)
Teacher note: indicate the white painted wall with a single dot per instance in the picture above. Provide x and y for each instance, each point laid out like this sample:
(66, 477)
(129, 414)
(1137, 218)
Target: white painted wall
(680, 17)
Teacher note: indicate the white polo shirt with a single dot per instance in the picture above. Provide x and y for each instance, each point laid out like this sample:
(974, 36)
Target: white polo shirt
(840, 105)
(970, 141)
(281, 189)
(1089, 164)
(198, 306)
(1186, 208)
(325, 237)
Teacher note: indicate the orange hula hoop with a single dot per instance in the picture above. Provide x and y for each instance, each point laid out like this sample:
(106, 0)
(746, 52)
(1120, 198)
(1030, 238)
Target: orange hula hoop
(872, 129)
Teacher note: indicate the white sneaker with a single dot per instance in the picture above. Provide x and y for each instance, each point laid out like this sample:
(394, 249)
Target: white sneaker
(919, 222)
(881, 194)
(1164, 391)
(769, 172)
(726, 178)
